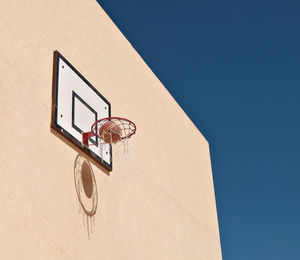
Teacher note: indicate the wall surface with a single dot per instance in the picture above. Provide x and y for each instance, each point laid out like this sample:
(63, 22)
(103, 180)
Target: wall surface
(158, 204)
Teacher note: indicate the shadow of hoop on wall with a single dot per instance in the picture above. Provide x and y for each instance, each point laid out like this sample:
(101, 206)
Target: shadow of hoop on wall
(86, 190)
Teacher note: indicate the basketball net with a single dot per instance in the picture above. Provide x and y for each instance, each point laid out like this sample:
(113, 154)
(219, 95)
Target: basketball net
(115, 131)
(108, 136)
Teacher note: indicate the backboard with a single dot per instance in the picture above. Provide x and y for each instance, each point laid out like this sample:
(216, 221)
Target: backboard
(76, 105)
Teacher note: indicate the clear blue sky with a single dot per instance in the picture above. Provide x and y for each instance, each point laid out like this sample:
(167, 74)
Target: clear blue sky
(234, 67)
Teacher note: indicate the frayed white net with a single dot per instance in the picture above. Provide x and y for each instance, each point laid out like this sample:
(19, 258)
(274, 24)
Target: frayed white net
(114, 131)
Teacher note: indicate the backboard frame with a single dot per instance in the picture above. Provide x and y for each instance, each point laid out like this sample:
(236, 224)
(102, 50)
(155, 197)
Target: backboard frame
(62, 133)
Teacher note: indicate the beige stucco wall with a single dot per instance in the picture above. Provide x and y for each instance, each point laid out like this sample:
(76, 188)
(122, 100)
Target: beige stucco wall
(159, 204)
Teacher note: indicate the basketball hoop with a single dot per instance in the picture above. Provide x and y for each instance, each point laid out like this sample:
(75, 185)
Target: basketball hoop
(110, 130)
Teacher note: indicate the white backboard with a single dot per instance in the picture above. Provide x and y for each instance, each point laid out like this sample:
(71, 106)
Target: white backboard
(76, 106)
